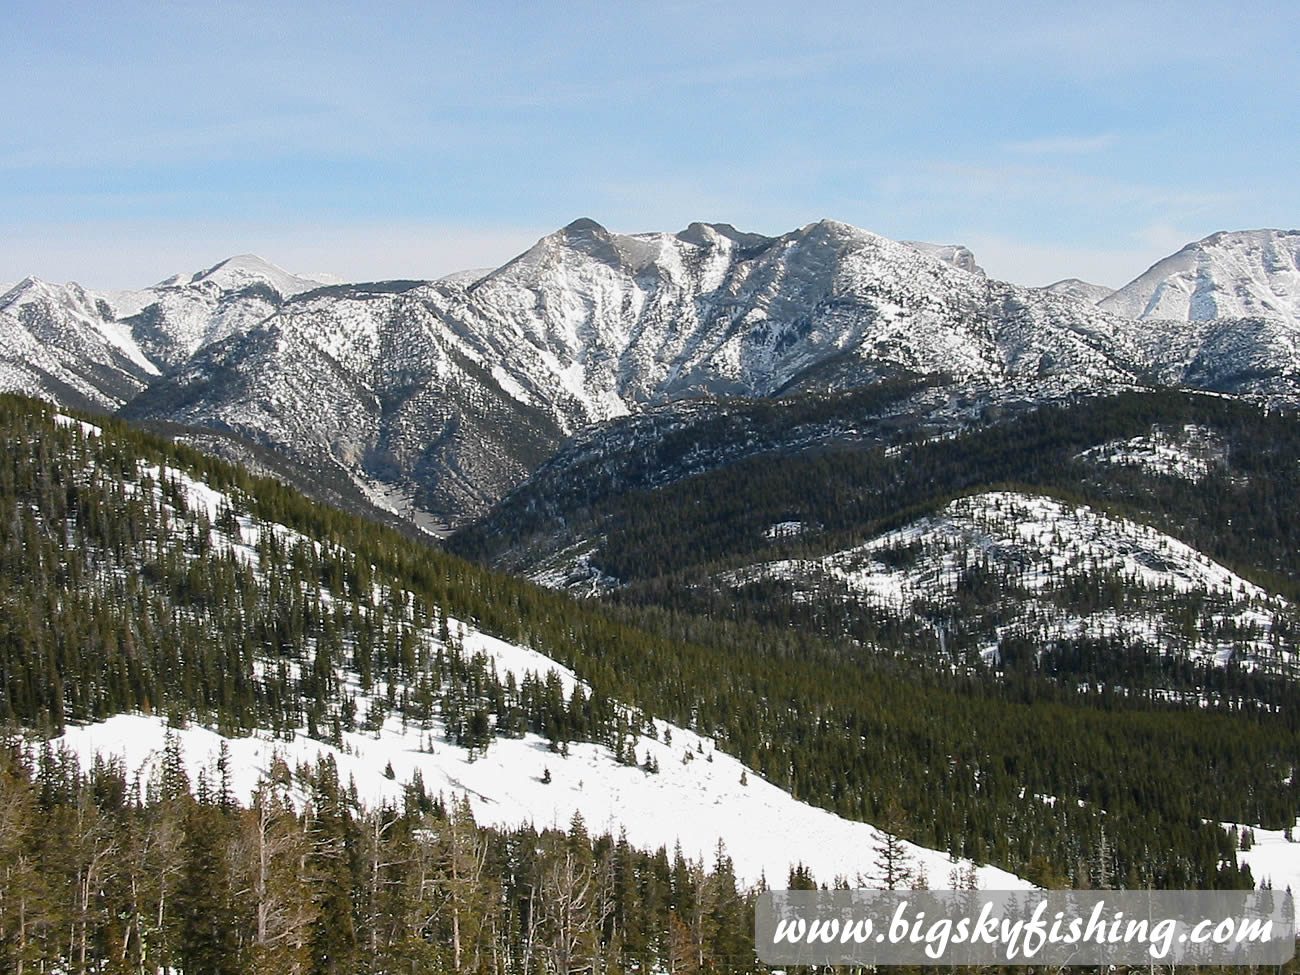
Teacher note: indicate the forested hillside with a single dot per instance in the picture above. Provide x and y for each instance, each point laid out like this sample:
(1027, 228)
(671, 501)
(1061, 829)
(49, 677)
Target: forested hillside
(1136, 514)
(1241, 508)
(113, 601)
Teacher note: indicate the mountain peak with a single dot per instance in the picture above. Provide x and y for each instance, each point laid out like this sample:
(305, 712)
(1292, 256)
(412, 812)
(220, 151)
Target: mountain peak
(707, 234)
(1080, 290)
(22, 287)
(241, 271)
(1229, 274)
(33, 288)
(584, 226)
(839, 227)
(240, 263)
(1222, 237)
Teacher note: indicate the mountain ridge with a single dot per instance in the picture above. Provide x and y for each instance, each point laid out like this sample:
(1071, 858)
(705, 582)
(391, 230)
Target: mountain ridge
(448, 393)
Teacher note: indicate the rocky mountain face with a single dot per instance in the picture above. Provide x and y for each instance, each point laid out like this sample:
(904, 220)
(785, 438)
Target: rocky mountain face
(436, 398)
(367, 381)
(958, 255)
(65, 343)
(625, 321)
(443, 395)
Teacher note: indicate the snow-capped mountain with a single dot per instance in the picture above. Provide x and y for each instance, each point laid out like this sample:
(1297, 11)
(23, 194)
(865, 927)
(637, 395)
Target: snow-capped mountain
(1241, 274)
(101, 348)
(621, 321)
(65, 343)
(245, 270)
(588, 325)
(1080, 290)
(178, 316)
(369, 382)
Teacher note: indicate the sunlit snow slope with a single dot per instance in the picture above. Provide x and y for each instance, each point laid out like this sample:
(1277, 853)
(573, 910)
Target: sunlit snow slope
(698, 797)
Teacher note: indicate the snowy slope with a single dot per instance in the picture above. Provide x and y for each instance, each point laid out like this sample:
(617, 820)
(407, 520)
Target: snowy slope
(1190, 453)
(588, 324)
(326, 279)
(696, 798)
(1274, 858)
(1234, 355)
(693, 803)
(1038, 547)
(467, 277)
(1241, 274)
(27, 366)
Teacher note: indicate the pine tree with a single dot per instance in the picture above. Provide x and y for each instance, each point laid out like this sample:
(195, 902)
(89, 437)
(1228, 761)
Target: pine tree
(894, 869)
(207, 936)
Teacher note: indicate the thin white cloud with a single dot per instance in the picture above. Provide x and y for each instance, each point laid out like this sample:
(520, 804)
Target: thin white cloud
(1079, 188)
(1164, 237)
(1064, 144)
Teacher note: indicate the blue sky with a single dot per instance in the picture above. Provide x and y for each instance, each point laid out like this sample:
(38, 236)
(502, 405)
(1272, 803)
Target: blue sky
(410, 140)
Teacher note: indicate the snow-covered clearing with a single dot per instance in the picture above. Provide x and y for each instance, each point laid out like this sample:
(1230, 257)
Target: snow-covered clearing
(693, 802)
(1037, 545)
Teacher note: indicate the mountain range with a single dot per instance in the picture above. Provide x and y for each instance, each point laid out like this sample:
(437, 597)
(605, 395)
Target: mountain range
(432, 399)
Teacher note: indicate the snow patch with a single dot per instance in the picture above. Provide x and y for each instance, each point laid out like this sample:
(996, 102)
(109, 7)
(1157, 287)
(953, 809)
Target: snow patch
(1191, 453)
(694, 802)
(1273, 858)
